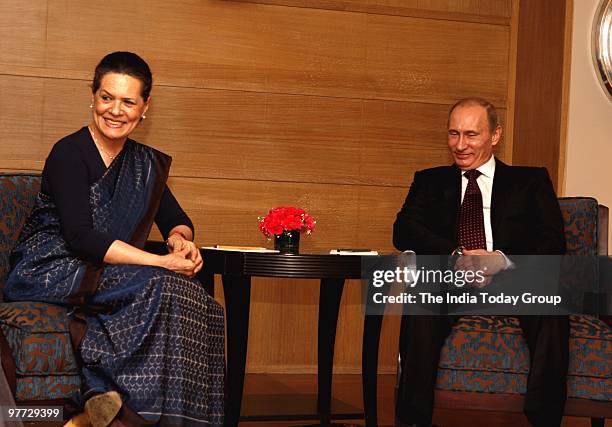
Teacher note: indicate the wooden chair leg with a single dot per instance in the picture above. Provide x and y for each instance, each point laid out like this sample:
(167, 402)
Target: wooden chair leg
(597, 422)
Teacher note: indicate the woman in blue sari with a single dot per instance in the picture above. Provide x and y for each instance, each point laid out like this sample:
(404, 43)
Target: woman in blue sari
(149, 337)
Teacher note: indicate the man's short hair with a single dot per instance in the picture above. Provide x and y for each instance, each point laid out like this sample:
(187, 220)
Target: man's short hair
(474, 100)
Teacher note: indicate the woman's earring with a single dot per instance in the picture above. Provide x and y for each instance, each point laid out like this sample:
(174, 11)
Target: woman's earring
(144, 117)
(91, 105)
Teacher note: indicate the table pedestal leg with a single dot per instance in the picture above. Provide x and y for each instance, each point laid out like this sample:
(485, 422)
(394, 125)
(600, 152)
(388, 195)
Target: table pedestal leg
(372, 325)
(208, 281)
(237, 291)
(330, 295)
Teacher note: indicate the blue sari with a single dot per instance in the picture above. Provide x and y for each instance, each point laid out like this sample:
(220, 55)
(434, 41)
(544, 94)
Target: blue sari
(153, 335)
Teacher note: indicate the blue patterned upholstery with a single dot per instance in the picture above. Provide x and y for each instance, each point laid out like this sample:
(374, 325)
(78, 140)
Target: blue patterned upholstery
(37, 333)
(489, 354)
(17, 193)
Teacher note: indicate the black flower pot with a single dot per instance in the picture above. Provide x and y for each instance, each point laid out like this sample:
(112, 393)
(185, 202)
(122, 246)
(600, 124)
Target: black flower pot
(288, 242)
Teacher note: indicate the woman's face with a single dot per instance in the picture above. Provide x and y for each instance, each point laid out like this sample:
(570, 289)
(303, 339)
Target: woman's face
(118, 106)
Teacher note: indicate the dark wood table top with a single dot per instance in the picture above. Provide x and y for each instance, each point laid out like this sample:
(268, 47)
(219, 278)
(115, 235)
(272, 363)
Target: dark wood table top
(269, 264)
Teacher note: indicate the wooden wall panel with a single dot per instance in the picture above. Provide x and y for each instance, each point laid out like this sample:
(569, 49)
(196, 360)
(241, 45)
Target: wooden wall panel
(492, 11)
(227, 210)
(539, 85)
(21, 122)
(23, 26)
(495, 8)
(330, 105)
(405, 55)
(272, 137)
(198, 44)
(36, 113)
(485, 8)
(294, 304)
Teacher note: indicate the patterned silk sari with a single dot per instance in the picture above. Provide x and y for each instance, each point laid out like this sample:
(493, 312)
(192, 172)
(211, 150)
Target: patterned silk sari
(153, 335)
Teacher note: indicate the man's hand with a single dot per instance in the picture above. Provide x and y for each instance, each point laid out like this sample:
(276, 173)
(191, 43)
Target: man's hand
(490, 263)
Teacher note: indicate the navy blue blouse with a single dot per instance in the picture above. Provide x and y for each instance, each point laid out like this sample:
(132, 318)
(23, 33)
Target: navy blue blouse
(72, 166)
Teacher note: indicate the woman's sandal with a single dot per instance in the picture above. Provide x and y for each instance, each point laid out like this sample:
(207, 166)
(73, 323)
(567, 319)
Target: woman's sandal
(100, 411)
(103, 408)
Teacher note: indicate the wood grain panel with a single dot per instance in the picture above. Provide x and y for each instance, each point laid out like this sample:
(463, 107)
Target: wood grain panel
(23, 27)
(498, 8)
(272, 137)
(489, 11)
(298, 138)
(294, 304)
(36, 114)
(495, 8)
(477, 7)
(539, 85)
(511, 88)
(263, 48)
(407, 59)
(226, 211)
(21, 122)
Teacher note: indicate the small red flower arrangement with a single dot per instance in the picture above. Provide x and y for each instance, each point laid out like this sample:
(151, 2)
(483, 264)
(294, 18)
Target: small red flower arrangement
(282, 219)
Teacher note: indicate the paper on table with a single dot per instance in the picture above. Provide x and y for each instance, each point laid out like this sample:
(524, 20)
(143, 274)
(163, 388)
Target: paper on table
(240, 248)
(353, 252)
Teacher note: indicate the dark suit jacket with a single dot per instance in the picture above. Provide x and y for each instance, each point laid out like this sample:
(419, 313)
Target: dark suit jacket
(525, 214)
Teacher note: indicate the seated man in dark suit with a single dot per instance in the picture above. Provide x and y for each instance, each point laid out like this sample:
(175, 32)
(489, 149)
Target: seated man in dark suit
(486, 210)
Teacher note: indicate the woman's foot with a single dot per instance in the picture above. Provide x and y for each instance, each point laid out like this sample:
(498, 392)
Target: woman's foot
(103, 408)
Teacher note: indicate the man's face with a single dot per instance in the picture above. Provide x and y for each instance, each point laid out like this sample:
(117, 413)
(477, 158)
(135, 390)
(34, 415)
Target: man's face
(469, 138)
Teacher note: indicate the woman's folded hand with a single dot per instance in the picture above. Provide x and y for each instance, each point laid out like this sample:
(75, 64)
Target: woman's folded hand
(187, 260)
(180, 262)
(177, 243)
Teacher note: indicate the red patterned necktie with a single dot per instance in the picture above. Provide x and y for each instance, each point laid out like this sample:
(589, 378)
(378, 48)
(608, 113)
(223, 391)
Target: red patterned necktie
(471, 219)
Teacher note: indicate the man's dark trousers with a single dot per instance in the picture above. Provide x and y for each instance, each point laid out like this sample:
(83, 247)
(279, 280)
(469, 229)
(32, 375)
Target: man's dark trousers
(547, 339)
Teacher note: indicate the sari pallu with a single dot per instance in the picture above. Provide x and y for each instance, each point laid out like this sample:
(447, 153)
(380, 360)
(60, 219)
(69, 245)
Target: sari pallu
(153, 335)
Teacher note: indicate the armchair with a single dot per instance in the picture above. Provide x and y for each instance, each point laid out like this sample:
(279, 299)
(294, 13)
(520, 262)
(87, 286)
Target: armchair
(37, 355)
(485, 361)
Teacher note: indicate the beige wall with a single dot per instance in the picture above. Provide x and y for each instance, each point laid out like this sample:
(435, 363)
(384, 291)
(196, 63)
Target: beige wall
(589, 137)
